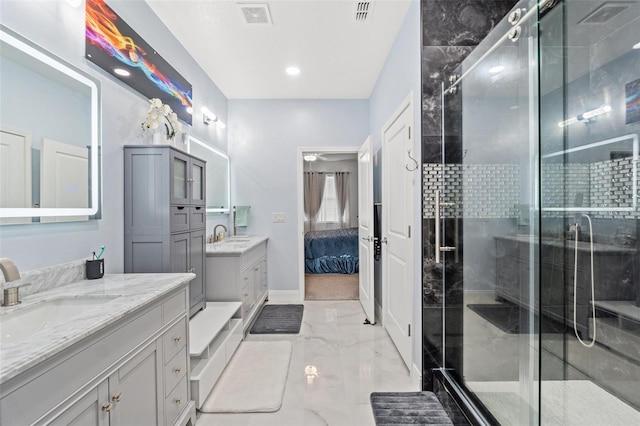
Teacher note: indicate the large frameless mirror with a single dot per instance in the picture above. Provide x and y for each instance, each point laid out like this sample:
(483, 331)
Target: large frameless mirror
(49, 136)
(218, 186)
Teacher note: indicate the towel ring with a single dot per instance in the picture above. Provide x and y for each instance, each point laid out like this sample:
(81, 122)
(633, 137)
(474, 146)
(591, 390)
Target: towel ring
(414, 160)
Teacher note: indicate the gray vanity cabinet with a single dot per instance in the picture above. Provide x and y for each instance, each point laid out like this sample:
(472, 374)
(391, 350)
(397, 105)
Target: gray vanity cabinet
(87, 411)
(132, 372)
(127, 396)
(165, 214)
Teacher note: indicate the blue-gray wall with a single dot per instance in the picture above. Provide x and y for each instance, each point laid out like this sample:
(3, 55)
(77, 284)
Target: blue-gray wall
(264, 136)
(59, 28)
(399, 78)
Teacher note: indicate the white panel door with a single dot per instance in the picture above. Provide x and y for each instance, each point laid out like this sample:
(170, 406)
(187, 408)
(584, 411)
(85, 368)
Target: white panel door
(15, 172)
(365, 230)
(64, 178)
(397, 218)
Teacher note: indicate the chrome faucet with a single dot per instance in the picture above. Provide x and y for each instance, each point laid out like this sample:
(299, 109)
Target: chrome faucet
(11, 273)
(219, 237)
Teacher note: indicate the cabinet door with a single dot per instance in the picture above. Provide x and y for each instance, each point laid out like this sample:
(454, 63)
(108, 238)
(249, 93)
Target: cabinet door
(257, 280)
(136, 390)
(197, 265)
(179, 172)
(91, 409)
(198, 182)
(180, 251)
(247, 292)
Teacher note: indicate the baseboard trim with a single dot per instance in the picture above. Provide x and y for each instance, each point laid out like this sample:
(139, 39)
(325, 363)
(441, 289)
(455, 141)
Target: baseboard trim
(284, 296)
(416, 377)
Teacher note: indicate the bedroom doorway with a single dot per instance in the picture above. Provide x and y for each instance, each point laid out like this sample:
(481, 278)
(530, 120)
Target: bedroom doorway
(328, 223)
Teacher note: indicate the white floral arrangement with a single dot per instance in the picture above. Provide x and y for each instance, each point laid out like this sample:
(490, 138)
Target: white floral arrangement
(160, 113)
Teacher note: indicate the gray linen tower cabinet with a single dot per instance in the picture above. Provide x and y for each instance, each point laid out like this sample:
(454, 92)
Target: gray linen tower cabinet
(165, 214)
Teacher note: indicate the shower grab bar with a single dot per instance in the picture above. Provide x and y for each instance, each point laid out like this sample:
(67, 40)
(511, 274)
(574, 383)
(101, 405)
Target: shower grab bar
(440, 248)
(541, 5)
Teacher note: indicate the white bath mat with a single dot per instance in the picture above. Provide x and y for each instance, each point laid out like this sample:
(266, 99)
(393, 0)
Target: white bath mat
(253, 381)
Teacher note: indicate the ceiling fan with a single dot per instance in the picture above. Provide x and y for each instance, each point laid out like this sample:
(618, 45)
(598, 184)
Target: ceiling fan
(315, 156)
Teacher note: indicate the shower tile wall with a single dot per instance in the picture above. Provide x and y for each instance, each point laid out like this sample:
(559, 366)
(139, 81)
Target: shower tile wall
(450, 31)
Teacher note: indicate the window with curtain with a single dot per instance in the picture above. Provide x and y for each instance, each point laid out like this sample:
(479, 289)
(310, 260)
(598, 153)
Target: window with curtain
(329, 208)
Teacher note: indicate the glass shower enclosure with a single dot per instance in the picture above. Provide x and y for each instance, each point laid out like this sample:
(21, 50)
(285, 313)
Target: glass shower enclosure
(537, 218)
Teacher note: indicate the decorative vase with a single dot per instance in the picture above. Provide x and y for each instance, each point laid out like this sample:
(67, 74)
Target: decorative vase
(160, 138)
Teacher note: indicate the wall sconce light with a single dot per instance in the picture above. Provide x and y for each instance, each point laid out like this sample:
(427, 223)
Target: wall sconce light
(585, 116)
(208, 117)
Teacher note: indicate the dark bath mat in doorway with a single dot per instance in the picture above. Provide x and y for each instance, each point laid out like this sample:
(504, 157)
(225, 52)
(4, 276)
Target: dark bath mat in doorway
(408, 408)
(507, 318)
(278, 319)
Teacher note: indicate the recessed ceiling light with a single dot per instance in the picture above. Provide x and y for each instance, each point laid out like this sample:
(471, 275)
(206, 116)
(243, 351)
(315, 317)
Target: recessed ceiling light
(636, 46)
(293, 70)
(122, 72)
(496, 69)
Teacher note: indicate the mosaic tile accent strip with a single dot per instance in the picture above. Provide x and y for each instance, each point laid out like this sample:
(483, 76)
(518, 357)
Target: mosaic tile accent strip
(492, 190)
(488, 190)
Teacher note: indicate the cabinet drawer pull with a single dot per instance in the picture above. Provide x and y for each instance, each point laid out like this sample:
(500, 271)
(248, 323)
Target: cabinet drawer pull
(116, 398)
(107, 406)
(178, 401)
(198, 208)
(180, 207)
(177, 339)
(177, 370)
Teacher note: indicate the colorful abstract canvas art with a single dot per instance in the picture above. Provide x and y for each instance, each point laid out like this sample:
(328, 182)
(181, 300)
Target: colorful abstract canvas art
(114, 46)
(632, 100)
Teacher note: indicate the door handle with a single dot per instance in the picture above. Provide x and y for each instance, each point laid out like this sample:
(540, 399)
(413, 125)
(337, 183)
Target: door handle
(439, 247)
(366, 238)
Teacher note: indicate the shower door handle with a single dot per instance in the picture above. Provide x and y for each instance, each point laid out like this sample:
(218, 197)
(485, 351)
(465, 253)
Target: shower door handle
(439, 247)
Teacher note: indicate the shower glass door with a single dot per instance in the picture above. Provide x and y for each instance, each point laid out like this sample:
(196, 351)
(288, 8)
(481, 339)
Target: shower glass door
(590, 281)
(489, 222)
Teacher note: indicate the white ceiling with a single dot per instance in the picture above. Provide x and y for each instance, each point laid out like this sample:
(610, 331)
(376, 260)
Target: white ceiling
(339, 58)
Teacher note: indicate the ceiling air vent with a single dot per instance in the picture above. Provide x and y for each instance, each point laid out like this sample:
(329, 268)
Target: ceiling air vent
(605, 12)
(255, 14)
(362, 11)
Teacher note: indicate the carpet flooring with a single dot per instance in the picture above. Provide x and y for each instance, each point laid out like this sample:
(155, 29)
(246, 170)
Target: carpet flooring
(408, 408)
(331, 286)
(246, 386)
(278, 319)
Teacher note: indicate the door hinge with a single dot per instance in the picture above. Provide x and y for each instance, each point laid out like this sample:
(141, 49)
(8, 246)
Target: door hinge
(409, 330)
(409, 132)
(409, 231)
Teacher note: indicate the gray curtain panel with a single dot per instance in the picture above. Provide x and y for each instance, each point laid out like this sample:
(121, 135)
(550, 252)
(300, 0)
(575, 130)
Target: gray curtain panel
(342, 194)
(313, 191)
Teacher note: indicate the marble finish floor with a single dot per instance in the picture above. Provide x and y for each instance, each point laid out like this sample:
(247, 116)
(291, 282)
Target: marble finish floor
(335, 364)
(492, 369)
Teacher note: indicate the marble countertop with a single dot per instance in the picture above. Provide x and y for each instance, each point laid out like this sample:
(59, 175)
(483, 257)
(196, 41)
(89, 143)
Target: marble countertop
(131, 291)
(234, 246)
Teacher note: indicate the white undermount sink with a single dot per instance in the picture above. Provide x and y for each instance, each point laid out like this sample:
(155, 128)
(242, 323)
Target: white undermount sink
(233, 242)
(22, 323)
(238, 238)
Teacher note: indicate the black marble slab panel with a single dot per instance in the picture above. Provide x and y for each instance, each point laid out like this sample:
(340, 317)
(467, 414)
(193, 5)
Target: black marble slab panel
(438, 63)
(460, 23)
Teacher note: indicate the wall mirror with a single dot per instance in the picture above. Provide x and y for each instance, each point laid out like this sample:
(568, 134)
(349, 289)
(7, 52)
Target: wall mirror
(49, 136)
(218, 186)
